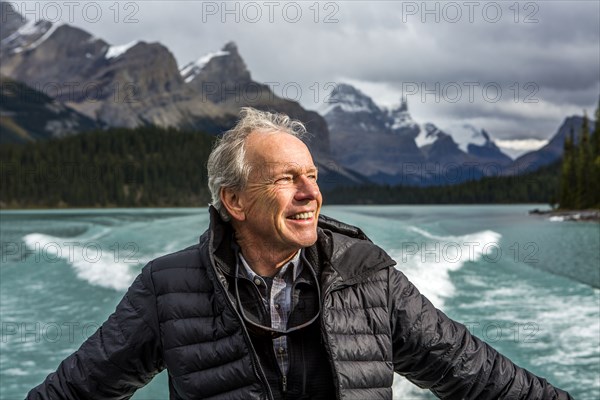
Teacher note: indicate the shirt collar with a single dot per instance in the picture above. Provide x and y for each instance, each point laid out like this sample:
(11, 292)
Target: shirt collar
(295, 263)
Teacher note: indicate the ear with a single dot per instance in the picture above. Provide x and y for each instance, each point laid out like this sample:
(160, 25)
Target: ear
(232, 202)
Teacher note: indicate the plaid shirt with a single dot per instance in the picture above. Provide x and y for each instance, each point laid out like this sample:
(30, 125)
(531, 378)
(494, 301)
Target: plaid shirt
(278, 301)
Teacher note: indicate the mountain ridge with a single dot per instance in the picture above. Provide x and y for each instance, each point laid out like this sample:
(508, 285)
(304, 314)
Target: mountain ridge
(137, 84)
(391, 148)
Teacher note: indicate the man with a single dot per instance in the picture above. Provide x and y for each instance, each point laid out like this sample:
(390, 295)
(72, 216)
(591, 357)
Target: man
(277, 301)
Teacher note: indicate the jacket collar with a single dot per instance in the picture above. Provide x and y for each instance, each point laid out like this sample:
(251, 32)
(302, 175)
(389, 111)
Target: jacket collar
(343, 253)
(221, 245)
(349, 252)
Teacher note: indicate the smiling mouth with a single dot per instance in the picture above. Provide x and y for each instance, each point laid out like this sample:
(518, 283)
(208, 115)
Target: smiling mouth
(303, 215)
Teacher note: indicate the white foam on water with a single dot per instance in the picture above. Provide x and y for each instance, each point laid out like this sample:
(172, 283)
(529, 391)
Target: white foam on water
(562, 326)
(568, 325)
(428, 262)
(403, 389)
(92, 261)
(15, 372)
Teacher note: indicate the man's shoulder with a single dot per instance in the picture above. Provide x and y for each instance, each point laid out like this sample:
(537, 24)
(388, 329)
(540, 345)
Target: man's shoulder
(184, 258)
(350, 251)
(189, 257)
(180, 271)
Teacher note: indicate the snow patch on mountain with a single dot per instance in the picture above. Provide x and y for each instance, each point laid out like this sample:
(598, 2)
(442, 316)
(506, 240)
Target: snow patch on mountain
(428, 134)
(31, 27)
(465, 134)
(116, 51)
(348, 99)
(400, 120)
(191, 70)
(346, 107)
(30, 35)
(45, 36)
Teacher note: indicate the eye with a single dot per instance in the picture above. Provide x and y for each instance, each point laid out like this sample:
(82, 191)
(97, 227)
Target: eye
(284, 179)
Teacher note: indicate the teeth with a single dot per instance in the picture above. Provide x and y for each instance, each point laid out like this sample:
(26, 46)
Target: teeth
(304, 215)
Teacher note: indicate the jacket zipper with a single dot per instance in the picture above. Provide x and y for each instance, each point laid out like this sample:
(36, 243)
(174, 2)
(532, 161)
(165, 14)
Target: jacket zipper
(327, 346)
(328, 291)
(253, 355)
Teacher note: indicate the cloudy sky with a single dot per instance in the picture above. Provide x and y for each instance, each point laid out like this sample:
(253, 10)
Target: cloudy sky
(516, 69)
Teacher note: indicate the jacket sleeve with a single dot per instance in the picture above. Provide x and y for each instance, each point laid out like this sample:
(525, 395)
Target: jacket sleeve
(120, 357)
(436, 353)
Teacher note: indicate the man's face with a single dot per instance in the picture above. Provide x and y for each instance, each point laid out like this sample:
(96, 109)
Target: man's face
(282, 201)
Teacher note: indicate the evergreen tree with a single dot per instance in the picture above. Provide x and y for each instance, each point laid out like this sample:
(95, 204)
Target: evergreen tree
(567, 194)
(596, 134)
(584, 166)
(596, 159)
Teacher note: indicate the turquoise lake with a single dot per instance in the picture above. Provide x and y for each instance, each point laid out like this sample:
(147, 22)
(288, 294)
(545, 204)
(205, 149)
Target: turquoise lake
(527, 285)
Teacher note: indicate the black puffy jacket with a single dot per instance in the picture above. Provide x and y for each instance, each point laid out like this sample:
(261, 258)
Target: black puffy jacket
(178, 314)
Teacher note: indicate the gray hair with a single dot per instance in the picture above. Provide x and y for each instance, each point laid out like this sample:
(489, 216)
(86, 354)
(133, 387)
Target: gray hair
(227, 165)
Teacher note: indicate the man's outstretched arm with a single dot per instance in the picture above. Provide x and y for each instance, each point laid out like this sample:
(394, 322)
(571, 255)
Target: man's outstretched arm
(439, 354)
(120, 357)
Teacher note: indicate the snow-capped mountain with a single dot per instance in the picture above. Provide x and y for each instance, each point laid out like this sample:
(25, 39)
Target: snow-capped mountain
(138, 83)
(223, 79)
(361, 137)
(223, 75)
(477, 142)
(468, 139)
(466, 134)
(348, 99)
(390, 147)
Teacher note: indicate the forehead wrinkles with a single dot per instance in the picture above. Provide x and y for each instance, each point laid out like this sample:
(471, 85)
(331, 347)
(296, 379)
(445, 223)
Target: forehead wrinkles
(272, 153)
(269, 170)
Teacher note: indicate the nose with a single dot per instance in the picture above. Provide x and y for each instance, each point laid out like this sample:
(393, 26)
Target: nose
(306, 188)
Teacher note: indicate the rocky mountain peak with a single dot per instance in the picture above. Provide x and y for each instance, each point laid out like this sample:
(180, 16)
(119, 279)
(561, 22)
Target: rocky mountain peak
(553, 150)
(349, 99)
(231, 48)
(381, 142)
(150, 65)
(48, 52)
(401, 122)
(476, 142)
(218, 75)
(361, 135)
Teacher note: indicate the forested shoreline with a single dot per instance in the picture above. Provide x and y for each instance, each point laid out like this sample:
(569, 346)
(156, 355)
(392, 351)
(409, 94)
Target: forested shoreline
(155, 167)
(142, 167)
